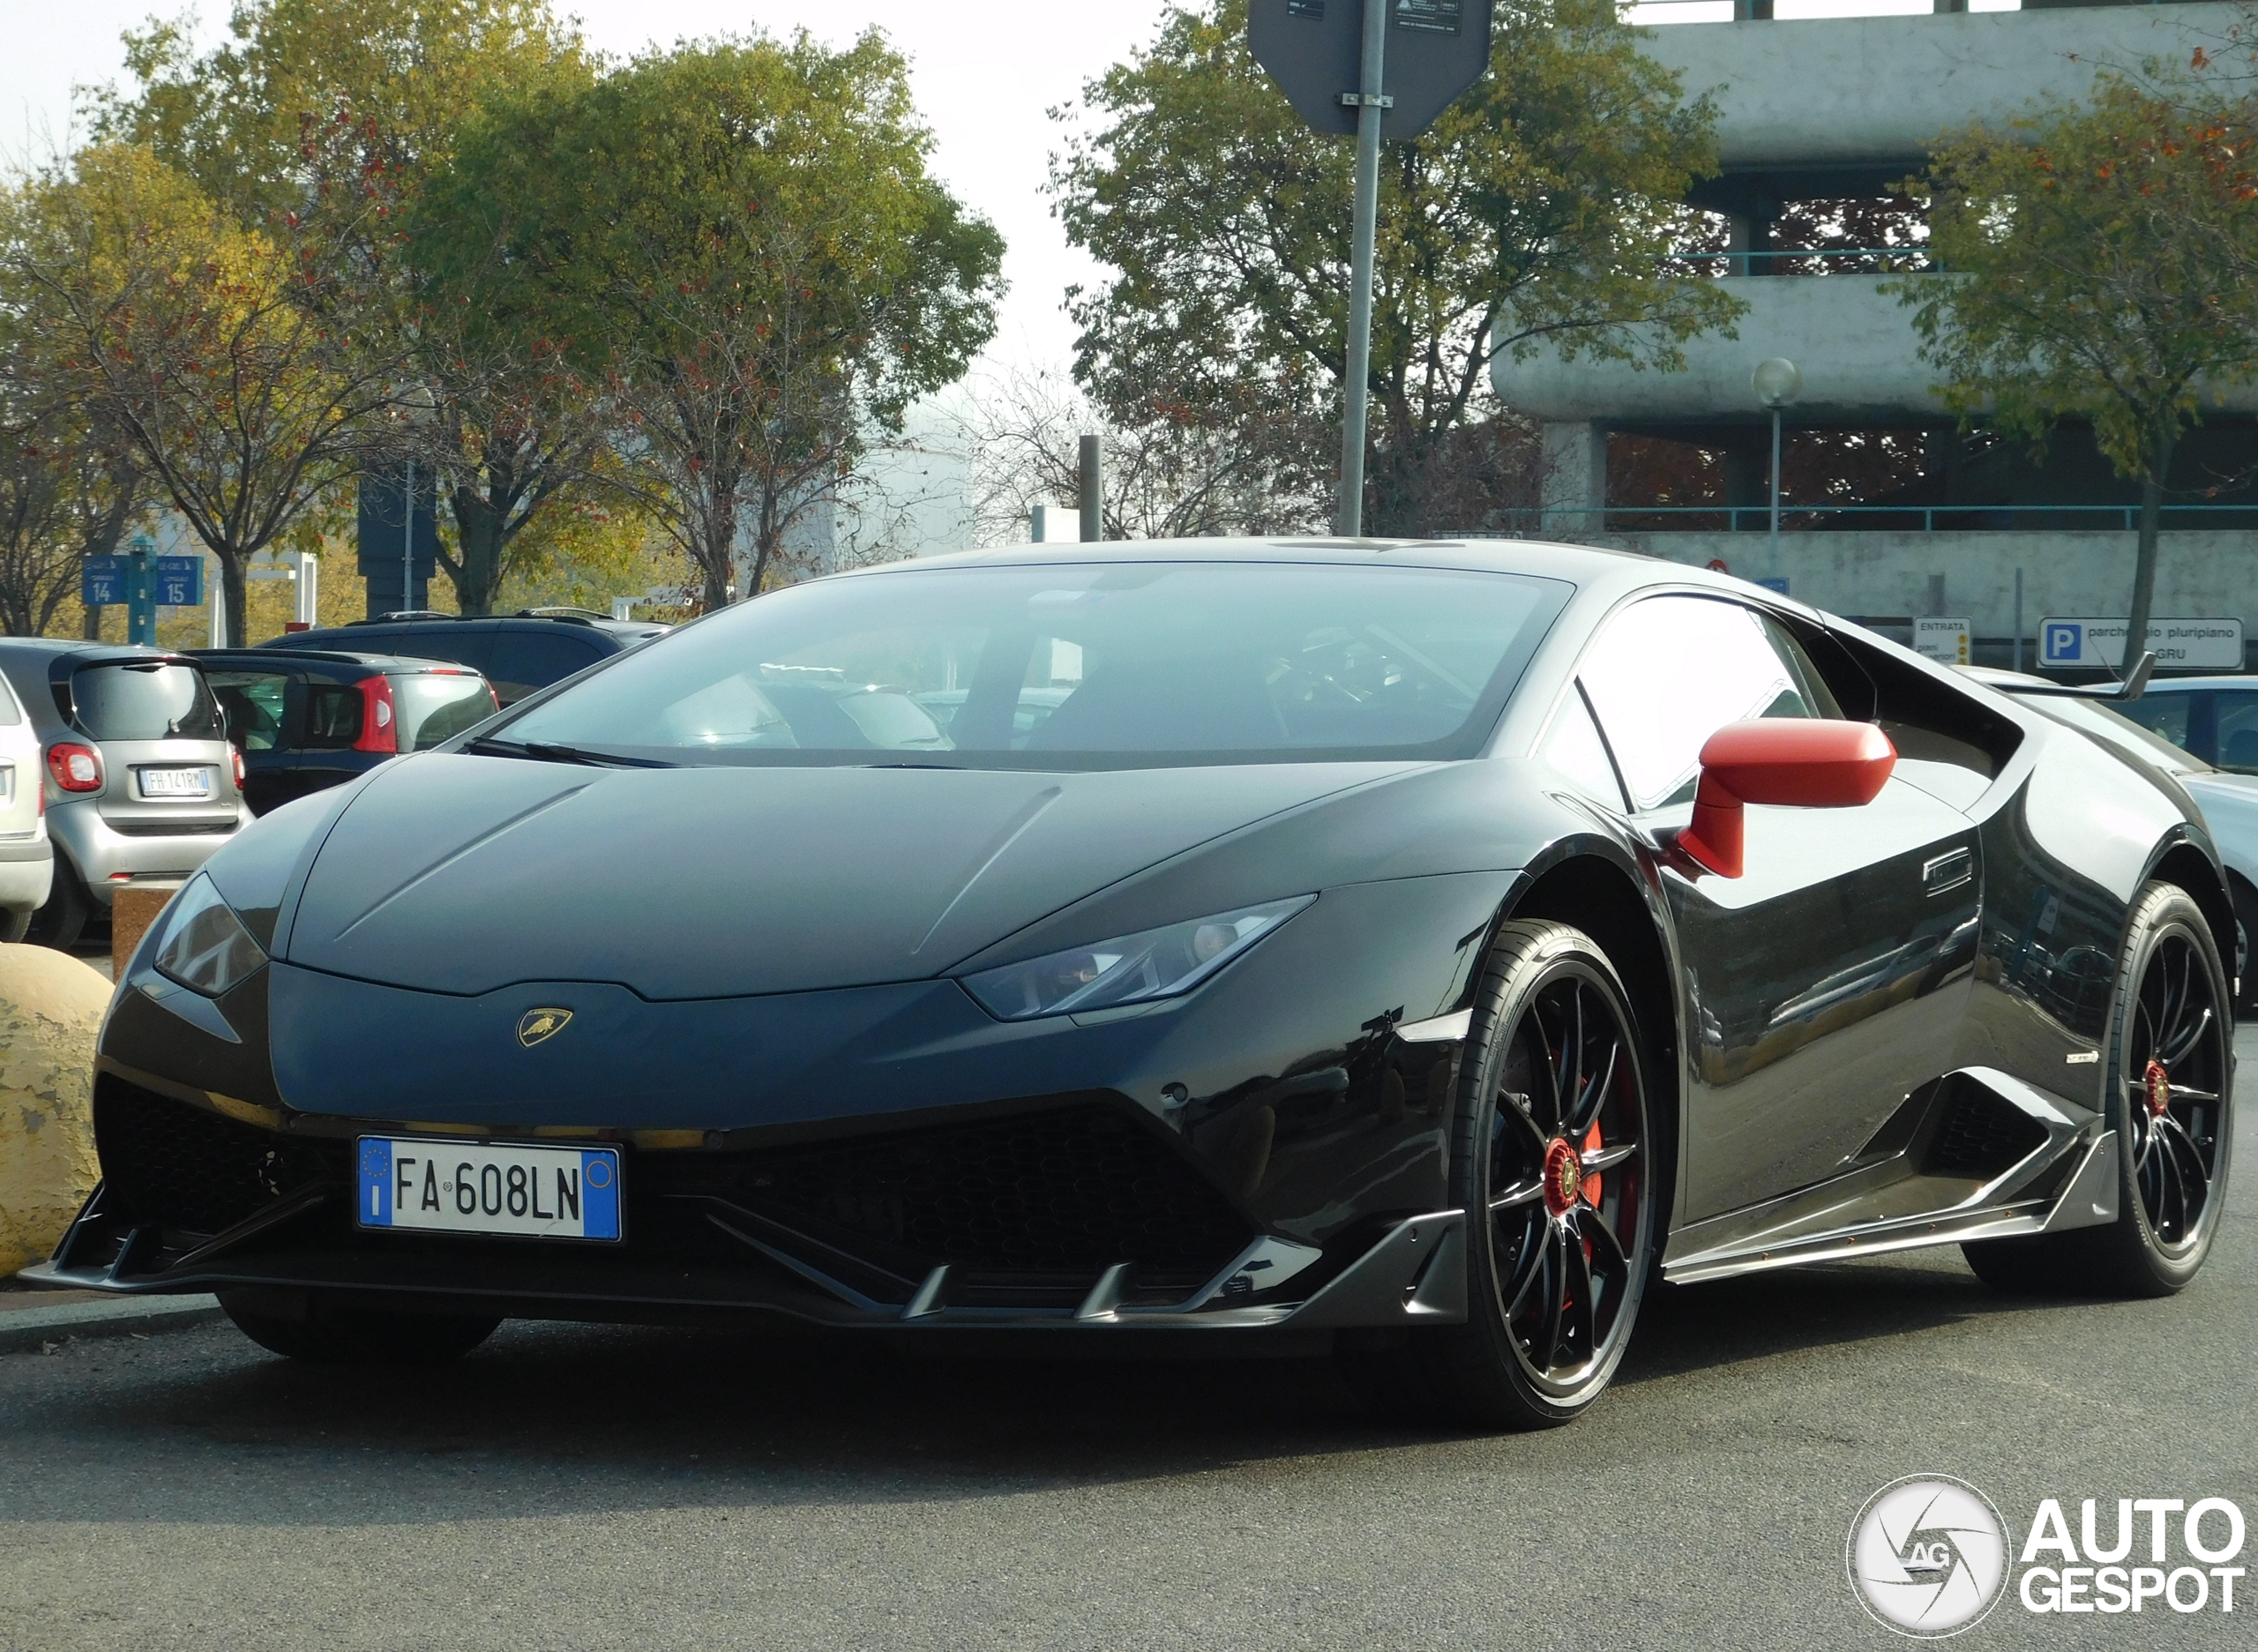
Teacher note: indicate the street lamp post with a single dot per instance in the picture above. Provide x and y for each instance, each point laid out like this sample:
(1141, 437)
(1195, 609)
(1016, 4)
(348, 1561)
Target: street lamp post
(1777, 381)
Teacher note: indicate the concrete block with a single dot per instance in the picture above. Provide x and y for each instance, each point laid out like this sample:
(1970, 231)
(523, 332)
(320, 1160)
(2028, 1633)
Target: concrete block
(51, 1008)
(132, 909)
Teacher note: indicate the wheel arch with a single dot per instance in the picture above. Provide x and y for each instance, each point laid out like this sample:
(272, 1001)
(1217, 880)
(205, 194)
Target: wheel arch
(1604, 896)
(2182, 863)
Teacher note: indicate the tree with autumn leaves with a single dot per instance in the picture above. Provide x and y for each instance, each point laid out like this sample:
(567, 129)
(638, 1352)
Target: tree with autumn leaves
(1536, 214)
(2098, 260)
(328, 247)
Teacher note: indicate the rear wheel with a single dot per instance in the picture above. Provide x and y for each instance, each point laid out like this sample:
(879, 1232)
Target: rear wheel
(335, 1332)
(62, 920)
(1552, 1162)
(2171, 1103)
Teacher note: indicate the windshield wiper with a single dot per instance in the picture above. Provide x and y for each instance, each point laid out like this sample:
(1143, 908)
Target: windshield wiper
(547, 751)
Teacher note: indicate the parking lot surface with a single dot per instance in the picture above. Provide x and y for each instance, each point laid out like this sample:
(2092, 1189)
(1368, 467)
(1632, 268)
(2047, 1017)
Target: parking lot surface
(590, 1487)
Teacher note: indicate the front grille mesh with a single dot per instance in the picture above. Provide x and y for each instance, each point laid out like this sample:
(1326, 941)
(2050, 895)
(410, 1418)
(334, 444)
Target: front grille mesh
(1044, 1197)
(1069, 1190)
(181, 1166)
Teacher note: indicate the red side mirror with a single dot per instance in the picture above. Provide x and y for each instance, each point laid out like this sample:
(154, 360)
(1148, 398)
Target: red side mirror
(1801, 762)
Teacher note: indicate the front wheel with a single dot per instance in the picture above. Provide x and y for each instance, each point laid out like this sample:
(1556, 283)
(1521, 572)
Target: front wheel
(1553, 1161)
(337, 1333)
(2170, 1102)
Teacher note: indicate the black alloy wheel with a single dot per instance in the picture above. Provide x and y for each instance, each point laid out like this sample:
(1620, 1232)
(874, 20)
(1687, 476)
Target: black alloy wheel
(2174, 1078)
(1554, 1162)
(2171, 1103)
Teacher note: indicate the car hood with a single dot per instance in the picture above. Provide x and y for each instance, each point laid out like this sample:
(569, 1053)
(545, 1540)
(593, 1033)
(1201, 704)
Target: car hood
(462, 875)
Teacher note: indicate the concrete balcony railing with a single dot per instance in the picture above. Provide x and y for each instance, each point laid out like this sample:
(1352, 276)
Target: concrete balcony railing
(1833, 92)
(1855, 343)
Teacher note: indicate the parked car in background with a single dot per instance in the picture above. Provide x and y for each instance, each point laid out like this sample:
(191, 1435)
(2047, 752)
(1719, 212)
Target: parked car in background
(307, 720)
(2229, 801)
(141, 785)
(27, 854)
(2212, 718)
(515, 654)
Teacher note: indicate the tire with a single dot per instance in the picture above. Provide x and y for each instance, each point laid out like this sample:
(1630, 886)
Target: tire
(1552, 1031)
(337, 1333)
(15, 923)
(62, 920)
(2169, 1022)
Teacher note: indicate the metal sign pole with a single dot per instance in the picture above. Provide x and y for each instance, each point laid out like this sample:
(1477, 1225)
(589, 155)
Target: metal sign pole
(1371, 107)
(1775, 492)
(407, 543)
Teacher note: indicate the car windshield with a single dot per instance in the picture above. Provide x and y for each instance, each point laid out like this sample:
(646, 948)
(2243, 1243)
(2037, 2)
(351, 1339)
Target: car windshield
(436, 705)
(153, 699)
(1109, 665)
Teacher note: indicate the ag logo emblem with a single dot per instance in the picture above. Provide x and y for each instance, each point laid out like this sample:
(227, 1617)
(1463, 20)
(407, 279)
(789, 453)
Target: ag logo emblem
(540, 1025)
(1928, 1556)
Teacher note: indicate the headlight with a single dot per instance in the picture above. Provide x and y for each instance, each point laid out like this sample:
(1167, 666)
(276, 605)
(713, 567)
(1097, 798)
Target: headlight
(206, 948)
(1134, 969)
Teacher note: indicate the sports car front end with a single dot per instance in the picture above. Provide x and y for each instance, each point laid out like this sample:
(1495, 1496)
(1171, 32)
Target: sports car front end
(586, 1020)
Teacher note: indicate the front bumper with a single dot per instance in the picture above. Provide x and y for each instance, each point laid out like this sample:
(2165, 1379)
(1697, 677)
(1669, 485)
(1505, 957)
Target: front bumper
(106, 856)
(841, 1232)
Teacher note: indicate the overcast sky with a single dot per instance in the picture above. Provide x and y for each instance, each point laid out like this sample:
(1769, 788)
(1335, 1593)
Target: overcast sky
(986, 72)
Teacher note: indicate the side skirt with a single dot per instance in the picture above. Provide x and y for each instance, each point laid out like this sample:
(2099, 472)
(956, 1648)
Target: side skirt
(1977, 1153)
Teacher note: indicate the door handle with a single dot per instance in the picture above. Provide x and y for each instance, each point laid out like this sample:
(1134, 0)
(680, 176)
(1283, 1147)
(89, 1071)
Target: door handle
(1948, 871)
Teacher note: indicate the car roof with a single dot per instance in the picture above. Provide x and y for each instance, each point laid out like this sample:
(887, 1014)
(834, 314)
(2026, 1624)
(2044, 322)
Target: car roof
(338, 638)
(1594, 568)
(588, 620)
(264, 653)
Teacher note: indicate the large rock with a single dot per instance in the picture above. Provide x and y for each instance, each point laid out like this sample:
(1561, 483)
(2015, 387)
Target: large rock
(50, 1008)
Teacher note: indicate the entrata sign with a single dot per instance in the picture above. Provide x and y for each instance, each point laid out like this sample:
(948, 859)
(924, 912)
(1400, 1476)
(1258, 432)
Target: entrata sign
(1944, 640)
(1314, 50)
(2179, 645)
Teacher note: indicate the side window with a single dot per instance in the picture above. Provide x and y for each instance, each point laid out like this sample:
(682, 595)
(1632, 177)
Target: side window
(332, 716)
(524, 661)
(2167, 714)
(1669, 672)
(2238, 724)
(1574, 748)
(255, 702)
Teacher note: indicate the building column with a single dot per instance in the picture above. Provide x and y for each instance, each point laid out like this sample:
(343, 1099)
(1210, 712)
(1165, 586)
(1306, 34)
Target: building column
(1575, 487)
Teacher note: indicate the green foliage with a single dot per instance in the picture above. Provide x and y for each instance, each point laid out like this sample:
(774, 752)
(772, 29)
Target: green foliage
(226, 357)
(241, 119)
(2091, 253)
(1534, 214)
(740, 242)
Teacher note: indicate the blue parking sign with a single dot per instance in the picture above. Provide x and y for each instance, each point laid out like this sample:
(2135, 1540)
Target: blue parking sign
(180, 581)
(101, 582)
(2062, 643)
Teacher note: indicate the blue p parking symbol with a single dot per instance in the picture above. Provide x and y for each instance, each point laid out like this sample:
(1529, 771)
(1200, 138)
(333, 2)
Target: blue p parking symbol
(2064, 644)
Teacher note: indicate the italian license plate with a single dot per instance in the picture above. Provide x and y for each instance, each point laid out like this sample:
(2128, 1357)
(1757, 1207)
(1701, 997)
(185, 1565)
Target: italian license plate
(481, 1187)
(176, 782)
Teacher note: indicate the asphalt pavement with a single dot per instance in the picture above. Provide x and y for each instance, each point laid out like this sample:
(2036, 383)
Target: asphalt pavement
(573, 1487)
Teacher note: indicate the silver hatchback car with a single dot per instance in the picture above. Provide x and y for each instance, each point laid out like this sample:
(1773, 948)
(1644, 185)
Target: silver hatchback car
(141, 785)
